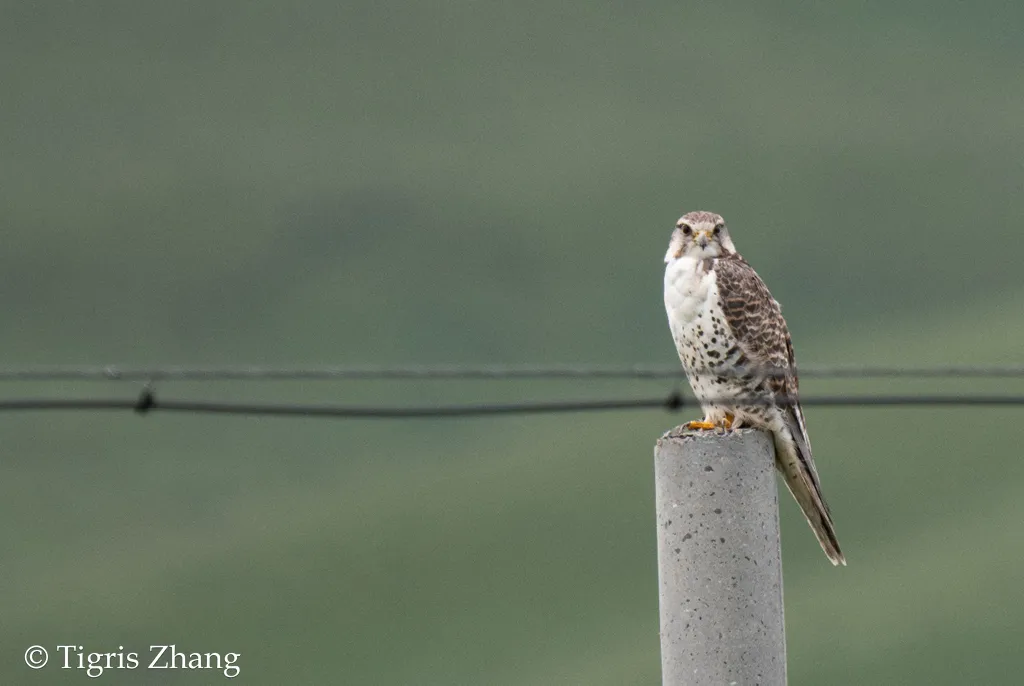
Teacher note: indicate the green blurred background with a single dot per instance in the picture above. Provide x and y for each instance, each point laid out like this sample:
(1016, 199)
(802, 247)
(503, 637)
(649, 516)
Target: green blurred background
(472, 182)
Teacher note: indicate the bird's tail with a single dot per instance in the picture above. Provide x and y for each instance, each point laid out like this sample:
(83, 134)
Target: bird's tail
(802, 479)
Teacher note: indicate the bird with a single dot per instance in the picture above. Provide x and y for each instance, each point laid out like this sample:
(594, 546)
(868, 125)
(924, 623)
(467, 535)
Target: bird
(735, 346)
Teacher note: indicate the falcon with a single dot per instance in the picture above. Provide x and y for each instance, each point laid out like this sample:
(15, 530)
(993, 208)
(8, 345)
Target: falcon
(738, 356)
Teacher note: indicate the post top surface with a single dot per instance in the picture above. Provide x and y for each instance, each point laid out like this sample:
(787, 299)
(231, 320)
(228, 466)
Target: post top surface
(681, 432)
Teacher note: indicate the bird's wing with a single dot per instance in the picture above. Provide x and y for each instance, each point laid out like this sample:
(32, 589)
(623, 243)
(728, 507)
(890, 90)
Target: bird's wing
(758, 325)
(763, 337)
(754, 316)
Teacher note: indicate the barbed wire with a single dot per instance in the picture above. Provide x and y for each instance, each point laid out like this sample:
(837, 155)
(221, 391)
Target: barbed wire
(148, 402)
(463, 371)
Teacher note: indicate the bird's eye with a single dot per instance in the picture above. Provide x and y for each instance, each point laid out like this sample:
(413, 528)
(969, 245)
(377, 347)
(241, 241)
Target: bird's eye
(718, 228)
(686, 229)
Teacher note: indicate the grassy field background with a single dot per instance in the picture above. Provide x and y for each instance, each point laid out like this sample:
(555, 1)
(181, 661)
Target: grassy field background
(314, 183)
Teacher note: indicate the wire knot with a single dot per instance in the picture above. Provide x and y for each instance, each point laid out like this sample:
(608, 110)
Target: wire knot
(674, 401)
(146, 401)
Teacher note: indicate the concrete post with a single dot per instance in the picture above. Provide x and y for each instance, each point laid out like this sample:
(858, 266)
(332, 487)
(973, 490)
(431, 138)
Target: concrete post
(719, 559)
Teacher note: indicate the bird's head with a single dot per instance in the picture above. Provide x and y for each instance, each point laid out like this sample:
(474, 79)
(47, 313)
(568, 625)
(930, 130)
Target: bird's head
(700, 235)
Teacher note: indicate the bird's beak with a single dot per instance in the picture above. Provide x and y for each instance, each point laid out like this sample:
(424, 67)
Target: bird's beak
(702, 238)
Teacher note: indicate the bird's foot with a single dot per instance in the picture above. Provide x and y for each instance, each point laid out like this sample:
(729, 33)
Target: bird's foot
(724, 425)
(721, 426)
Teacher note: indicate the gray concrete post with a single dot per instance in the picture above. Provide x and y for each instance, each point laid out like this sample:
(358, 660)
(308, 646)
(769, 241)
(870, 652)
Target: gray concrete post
(719, 559)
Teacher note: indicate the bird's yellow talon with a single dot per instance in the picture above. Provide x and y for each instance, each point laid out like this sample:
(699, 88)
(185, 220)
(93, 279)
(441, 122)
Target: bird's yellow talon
(703, 426)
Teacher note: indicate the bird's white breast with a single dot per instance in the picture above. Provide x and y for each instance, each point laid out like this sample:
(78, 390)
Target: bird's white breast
(688, 289)
(699, 327)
